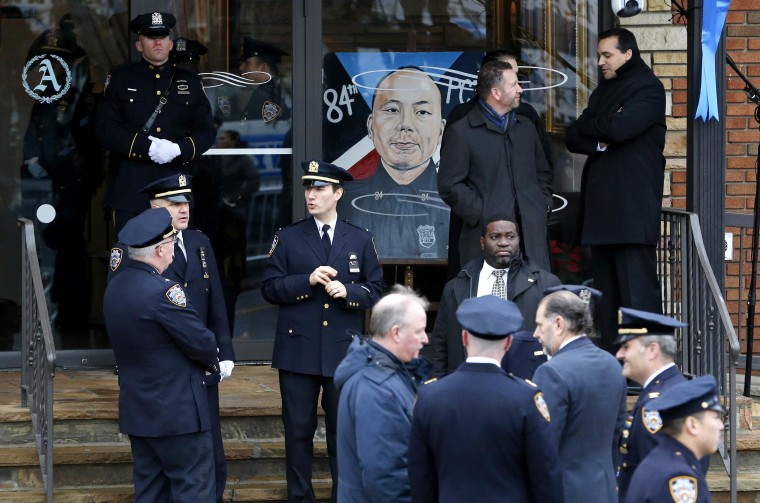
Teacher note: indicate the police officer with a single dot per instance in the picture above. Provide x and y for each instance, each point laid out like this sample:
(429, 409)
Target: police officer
(194, 267)
(260, 61)
(164, 352)
(322, 273)
(153, 116)
(480, 434)
(691, 428)
(647, 352)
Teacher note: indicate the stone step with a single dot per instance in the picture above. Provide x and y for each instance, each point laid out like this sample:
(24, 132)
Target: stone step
(111, 464)
(261, 489)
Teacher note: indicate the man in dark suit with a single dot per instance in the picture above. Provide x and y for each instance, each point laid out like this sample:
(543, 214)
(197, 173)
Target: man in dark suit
(479, 434)
(153, 116)
(194, 267)
(502, 270)
(165, 354)
(585, 393)
(691, 429)
(647, 351)
(323, 273)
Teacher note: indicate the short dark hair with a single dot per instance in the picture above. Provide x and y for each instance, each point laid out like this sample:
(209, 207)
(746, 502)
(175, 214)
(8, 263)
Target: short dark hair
(497, 55)
(673, 427)
(625, 39)
(498, 217)
(490, 75)
(571, 308)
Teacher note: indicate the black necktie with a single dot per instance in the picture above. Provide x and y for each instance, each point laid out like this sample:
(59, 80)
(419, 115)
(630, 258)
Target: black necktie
(180, 263)
(326, 244)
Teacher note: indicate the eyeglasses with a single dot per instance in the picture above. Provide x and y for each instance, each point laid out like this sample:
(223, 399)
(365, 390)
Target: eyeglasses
(172, 241)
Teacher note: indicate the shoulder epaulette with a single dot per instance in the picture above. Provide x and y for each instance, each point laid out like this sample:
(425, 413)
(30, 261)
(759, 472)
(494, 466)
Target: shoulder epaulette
(356, 226)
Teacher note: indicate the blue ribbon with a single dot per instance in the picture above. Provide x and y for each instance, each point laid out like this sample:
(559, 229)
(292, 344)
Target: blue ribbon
(713, 18)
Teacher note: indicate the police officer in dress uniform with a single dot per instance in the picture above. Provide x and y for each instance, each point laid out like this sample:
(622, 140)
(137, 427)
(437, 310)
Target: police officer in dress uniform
(322, 273)
(647, 351)
(691, 428)
(260, 61)
(194, 267)
(153, 116)
(165, 354)
(480, 434)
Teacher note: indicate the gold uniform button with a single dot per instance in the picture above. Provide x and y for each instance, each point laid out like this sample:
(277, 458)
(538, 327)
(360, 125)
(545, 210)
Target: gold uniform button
(185, 285)
(327, 306)
(290, 331)
(158, 75)
(324, 323)
(131, 100)
(158, 93)
(158, 130)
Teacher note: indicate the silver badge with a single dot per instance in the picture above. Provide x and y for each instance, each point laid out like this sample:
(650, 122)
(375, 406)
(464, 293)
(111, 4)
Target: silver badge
(426, 235)
(156, 18)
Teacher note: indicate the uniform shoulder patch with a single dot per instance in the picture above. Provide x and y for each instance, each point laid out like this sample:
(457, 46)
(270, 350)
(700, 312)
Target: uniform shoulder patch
(176, 296)
(356, 226)
(117, 254)
(543, 409)
(651, 420)
(275, 241)
(683, 489)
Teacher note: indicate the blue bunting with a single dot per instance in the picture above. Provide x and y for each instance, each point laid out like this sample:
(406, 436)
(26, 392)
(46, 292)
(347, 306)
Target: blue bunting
(713, 19)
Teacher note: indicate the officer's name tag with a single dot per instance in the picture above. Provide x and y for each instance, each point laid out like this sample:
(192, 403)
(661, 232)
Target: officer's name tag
(353, 262)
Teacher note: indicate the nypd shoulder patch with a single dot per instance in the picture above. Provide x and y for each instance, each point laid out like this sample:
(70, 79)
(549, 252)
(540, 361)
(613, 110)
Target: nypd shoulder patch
(538, 399)
(176, 296)
(684, 489)
(117, 254)
(651, 420)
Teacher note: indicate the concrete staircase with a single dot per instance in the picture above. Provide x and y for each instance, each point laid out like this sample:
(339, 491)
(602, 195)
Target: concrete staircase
(92, 459)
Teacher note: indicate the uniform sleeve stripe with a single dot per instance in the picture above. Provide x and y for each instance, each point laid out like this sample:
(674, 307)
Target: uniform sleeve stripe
(193, 144)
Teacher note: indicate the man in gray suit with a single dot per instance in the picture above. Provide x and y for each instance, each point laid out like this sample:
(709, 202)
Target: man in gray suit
(585, 392)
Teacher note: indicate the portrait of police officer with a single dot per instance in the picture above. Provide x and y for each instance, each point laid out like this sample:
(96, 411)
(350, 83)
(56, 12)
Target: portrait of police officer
(166, 356)
(195, 268)
(323, 273)
(399, 202)
(692, 424)
(154, 117)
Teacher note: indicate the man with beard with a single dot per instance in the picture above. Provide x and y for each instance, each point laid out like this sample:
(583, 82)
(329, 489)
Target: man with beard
(503, 271)
(399, 203)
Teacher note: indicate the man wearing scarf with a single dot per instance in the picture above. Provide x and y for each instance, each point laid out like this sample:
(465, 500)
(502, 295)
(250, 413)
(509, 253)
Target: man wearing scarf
(622, 131)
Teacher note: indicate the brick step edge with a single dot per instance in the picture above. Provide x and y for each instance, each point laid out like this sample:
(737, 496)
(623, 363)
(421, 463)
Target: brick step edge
(86, 454)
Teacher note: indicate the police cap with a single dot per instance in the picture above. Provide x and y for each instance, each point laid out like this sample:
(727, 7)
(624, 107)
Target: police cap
(175, 188)
(687, 398)
(261, 49)
(586, 293)
(148, 228)
(319, 173)
(489, 317)
(154, 24)
(633, 323)
(186, 49)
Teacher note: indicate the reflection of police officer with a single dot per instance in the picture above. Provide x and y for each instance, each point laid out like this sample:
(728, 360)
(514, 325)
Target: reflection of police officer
(260, 61)
(162, 349)
(187, 53)
(154, 116)
(479, 431)
(194, 267)
(691, 428)
(322, 273)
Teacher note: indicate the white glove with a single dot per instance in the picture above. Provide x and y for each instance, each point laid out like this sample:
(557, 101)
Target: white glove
(164, 151)
(225, 368)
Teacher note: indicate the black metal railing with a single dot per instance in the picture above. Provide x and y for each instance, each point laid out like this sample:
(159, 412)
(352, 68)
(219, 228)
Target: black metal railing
(691, 294)
(37, 355)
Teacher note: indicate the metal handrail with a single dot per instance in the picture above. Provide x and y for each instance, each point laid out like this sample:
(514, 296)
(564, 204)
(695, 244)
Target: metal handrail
(691, 294)
(37, 355)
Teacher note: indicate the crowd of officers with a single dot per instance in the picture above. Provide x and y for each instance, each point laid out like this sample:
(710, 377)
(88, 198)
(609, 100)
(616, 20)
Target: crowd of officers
(523, 407)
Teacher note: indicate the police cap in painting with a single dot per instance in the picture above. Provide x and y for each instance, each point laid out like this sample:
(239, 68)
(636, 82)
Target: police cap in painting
(186, 49)
(148, 228)
(175, 188)
(687, 398)
(633, 323)
(154, 24)
(319, 173)
(586, 293)
(260, 49)
(489, 317)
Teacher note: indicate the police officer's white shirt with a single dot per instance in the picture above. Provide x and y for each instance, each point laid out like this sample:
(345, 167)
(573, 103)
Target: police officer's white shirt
(654, 376)
(487, 279)
(482, 359)
(330, 231)
(181, 244)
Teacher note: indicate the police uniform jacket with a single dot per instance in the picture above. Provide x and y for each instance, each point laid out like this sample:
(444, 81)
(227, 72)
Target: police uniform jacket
(640, 436)
(201, 284)
(479, 434)
(314, 330)
(524, 355)
(585, 392)
(163, 351)
(526, 283)
(670, 472)
(131, 95)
